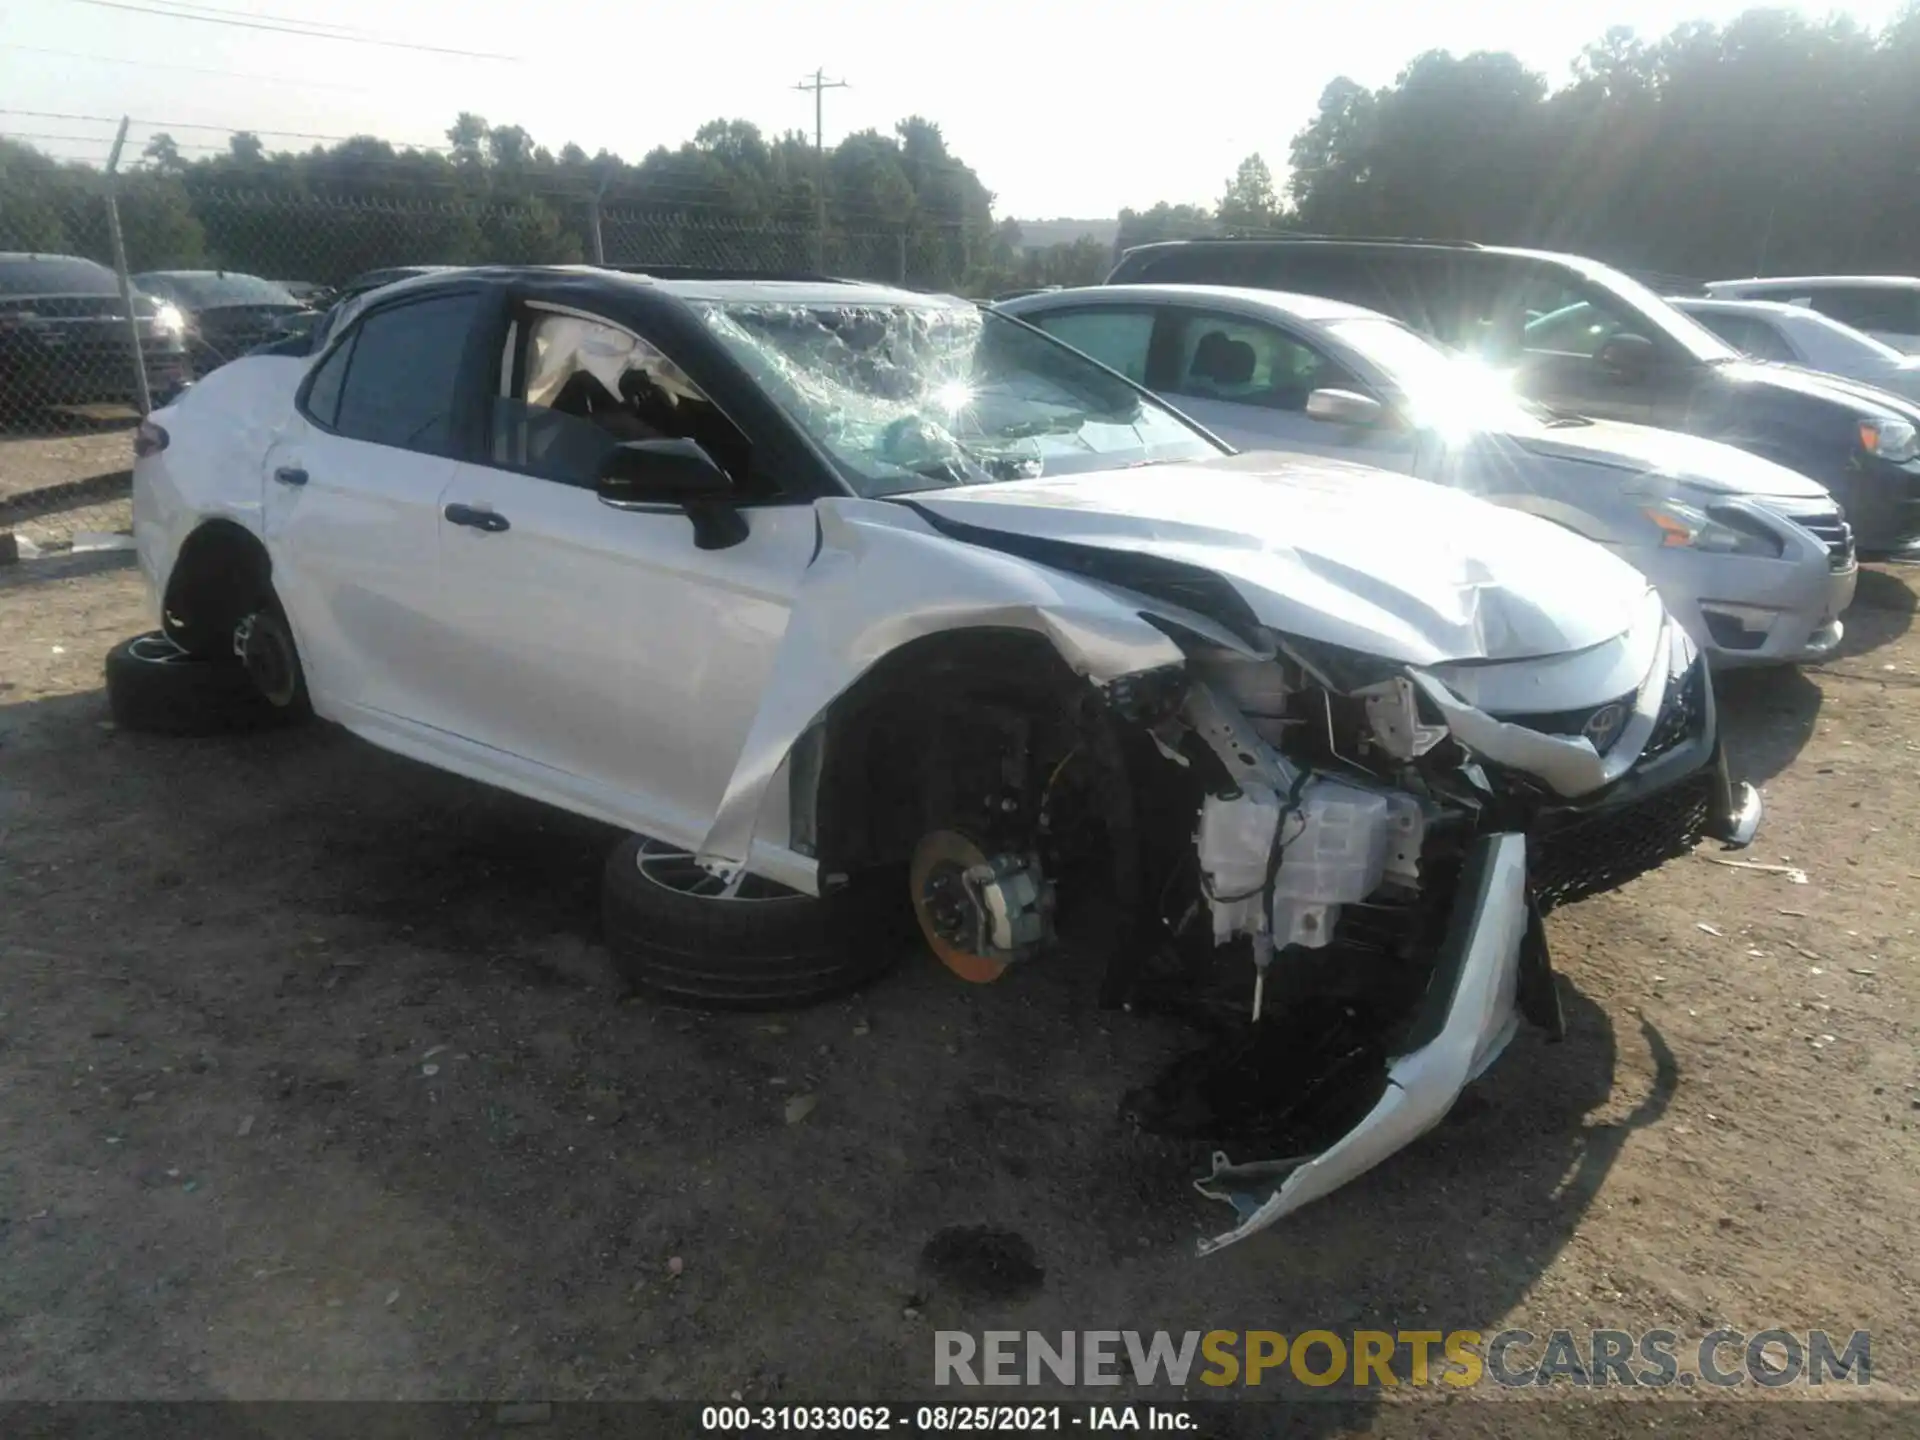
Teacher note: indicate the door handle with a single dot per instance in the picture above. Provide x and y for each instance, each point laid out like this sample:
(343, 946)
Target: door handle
(490, 521)
(290, 475)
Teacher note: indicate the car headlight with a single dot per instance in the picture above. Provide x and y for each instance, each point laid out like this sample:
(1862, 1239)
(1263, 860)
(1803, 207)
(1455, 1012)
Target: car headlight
(167, 320)
(1892, 440)
(1717, 532)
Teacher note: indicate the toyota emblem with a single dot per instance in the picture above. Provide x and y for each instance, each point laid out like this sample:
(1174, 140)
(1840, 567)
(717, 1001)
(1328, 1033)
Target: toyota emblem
(1603, 726)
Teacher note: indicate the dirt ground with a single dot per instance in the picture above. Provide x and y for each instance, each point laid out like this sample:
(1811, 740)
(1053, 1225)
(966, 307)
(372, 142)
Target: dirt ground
(315, 1083)
(69, 449)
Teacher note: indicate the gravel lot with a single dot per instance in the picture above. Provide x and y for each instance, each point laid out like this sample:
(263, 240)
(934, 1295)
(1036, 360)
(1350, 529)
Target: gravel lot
(314, 1083)
(78, 448)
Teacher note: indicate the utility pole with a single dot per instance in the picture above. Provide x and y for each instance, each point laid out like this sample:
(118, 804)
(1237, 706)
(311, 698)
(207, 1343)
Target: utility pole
(819, 85)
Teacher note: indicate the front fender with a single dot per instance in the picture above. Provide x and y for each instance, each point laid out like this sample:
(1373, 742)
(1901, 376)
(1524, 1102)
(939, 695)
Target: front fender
(883, 577)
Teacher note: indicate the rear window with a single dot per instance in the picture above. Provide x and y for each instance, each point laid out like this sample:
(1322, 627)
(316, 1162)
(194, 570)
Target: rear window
(55, 275)
(1871, 307)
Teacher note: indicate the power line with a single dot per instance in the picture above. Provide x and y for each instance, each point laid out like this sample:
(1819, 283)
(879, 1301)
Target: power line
(221, 129)
(287, 134)
(56, 115)
(301, 20)
(308, 34)
(302, 81)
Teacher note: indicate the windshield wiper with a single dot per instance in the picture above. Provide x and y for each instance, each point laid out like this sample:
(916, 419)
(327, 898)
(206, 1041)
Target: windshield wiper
(1058, 425)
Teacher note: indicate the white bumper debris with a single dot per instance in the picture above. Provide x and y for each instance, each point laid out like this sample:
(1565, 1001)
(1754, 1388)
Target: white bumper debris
(1472, 1003)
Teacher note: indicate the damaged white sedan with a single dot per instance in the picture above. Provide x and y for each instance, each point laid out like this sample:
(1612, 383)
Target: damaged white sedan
(848, 603)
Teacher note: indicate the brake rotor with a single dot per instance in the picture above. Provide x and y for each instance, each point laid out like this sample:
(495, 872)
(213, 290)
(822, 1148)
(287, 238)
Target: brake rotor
(941, 857)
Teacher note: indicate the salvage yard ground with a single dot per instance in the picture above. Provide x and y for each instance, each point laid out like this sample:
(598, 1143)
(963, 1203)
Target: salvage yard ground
(315, 1082)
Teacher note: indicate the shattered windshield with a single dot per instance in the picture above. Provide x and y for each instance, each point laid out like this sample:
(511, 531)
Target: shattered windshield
(909, 397)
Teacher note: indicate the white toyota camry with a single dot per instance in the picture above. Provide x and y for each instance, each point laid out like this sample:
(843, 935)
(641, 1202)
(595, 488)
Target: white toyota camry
(847, 602)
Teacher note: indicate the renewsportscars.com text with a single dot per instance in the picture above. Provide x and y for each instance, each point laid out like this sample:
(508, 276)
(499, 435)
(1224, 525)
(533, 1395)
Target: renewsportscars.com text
(1651, 1359)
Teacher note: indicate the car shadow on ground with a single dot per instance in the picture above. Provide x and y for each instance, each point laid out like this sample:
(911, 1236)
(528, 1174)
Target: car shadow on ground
(1882, 611)
(1766, 718)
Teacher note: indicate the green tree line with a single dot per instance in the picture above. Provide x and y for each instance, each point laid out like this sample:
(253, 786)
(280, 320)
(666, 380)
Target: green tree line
(495, 194)
(1775, 142)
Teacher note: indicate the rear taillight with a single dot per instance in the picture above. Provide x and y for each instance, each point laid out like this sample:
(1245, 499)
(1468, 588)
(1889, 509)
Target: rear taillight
(149, 439)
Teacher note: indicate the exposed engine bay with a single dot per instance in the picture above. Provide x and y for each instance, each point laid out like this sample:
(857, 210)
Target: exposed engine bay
(1297, 851)
(1319, 808)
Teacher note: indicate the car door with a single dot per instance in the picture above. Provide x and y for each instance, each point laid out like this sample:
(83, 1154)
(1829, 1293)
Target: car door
(352, 505)
(598, 643)
(1248, 381)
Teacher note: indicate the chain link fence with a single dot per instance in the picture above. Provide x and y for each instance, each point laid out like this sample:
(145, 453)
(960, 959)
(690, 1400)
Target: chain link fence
(196, 260)
(66, 344)
(210, 273)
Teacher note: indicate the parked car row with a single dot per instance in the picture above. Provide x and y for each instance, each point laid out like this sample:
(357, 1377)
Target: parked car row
(1586, 340)
(1753, 559)
(1251, 650)
(226, 313)
(64, 339)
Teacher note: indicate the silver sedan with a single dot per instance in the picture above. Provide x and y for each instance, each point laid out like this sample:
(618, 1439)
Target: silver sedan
(1755, 560)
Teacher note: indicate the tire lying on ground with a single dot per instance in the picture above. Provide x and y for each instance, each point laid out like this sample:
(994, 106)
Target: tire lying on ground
(155, 686)
(676, 933)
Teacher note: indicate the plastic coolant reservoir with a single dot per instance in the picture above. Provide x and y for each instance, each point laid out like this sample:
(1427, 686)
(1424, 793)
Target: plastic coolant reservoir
(1339, 850)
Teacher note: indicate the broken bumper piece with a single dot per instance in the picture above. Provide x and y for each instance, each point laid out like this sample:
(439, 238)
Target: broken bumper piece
(1468, 1017)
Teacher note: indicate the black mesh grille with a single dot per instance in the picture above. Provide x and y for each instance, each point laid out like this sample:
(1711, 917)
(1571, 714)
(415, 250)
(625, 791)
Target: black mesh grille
(1586, 854)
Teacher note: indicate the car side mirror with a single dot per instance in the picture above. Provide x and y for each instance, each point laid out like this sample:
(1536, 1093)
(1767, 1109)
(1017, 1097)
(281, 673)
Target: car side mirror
(673, 472)
(1626, 356)
(1344, 407)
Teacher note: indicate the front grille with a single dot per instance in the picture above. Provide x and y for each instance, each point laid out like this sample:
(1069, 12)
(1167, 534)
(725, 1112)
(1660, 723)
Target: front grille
(1584, 854)
(1831, 529)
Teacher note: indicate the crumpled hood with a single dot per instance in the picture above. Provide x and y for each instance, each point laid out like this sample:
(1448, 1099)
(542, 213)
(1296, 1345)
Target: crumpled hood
(1689, 459)
(1344, 554)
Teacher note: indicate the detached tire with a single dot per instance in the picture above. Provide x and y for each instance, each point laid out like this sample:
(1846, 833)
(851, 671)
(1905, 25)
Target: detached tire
(674, 933)
(156, 687)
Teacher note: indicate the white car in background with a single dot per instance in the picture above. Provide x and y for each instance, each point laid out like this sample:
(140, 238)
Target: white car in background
(1754, 559)
(847, 601)
(1887, 307)
(1797, 335)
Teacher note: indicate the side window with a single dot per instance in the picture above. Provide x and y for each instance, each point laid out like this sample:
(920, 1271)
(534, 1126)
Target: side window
(323, 392)
(1561, 321)
(1118, 339)
(1888, 308)
(402, 377)
(1221, 357)
(1383, 282)
(1747, 334)
(575, 388)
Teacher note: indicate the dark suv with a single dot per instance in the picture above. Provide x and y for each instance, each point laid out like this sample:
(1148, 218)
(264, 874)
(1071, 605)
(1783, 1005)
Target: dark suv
(1584, 338)
(64, 338)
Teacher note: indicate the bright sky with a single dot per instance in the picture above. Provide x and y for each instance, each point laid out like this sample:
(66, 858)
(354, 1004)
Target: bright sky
(1064, 110)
